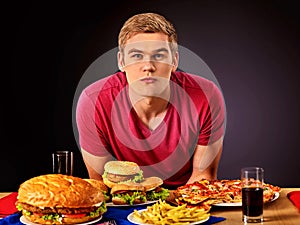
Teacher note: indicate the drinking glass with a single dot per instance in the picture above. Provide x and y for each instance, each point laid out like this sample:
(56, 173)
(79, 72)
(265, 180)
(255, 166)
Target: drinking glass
(62, 162)
(252, 194)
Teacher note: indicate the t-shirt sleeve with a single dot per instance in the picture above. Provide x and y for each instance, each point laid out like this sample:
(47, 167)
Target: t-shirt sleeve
(213, 122)
(89, 134)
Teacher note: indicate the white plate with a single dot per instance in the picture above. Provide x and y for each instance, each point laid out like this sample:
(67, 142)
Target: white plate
(240, 204)
(276, 195)
(27, 222)
(131, 218)
(228, 204)
(110, 204)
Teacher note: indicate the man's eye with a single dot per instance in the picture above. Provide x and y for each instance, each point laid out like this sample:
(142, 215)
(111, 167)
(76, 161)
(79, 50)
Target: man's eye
(158, 57)
(136, 56)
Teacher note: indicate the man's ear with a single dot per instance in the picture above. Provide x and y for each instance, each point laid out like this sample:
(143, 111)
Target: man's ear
(121, 61)
(175, 62)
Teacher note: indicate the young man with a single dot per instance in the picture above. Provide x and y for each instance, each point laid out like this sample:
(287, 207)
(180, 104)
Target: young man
(169, 122)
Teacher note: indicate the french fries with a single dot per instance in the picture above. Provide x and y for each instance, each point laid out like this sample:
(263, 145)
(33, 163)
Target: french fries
(163, 213)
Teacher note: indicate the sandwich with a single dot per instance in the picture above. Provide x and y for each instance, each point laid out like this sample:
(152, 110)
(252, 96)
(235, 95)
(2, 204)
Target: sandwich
(154, 190)
(128, 186)
(60, 199)
(132, 193)
(116, 172)
(128, 194)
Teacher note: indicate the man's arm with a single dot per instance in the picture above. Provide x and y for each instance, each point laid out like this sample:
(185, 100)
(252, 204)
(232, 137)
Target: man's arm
(206, 160)
(95, 164)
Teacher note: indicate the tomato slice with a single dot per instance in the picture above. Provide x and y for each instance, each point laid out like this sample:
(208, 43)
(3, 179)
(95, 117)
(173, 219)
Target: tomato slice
(74, 215)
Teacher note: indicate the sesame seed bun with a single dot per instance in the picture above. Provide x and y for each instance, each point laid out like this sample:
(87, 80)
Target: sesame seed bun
(98, 184)
(70, 198)
(121, 171)
(122, 167)
(150, 183)
(58, 190)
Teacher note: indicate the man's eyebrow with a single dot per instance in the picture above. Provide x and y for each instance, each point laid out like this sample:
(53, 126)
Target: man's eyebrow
(161, 50)
(134, 50)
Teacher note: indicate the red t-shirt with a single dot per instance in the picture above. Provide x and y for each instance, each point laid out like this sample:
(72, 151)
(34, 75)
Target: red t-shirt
(107, 124)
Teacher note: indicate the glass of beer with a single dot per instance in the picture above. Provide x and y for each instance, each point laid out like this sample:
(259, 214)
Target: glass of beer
(252, 194)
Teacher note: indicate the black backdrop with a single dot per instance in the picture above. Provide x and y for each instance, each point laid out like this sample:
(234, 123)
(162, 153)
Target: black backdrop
(251, 46)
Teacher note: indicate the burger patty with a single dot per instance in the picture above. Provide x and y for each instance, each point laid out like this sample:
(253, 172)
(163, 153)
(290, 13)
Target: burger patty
(119, 178)
(130, 193)
(158, 189)
(50, 210)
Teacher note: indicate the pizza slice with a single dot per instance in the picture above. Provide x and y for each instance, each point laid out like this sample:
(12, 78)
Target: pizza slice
(205, 193)
(203, 205)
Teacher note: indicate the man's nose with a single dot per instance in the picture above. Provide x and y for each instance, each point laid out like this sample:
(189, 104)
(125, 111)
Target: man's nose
(148, 65)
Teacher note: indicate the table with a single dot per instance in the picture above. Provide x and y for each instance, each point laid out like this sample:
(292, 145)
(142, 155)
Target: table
(279, 212)
(2, 194)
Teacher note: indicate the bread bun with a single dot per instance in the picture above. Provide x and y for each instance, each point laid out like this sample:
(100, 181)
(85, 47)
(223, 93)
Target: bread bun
(111, 184)
(84, 219)
(98, 184)
(131, 186)
(65, 220)
(58, 190)
(151, 183)
(40, 220)
(108, 183)
(122, 167)
(118, 201)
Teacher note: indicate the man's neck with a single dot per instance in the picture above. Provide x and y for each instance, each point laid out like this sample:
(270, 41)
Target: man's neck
(151, 111)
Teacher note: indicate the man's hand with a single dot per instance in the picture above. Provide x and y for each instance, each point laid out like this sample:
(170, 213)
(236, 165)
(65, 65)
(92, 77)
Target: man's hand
(206, 160)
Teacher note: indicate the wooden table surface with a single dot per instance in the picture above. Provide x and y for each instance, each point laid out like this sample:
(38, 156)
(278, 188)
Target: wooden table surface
(2, 194)
(278, 212)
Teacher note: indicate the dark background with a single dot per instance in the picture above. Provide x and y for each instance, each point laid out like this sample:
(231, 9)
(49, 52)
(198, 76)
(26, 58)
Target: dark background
(251, 46)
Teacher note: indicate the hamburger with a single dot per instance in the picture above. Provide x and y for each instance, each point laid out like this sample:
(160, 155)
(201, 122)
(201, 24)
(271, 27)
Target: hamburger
(128, 194)
(128, 186)
(116, 172)
(132, 193)
(60, 199)
(154, 190)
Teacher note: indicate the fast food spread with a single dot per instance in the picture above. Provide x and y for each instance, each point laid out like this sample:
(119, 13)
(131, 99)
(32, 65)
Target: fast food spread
(128, 186)
(162, 213)
(60, 199)
(205, 193)
(64, 199)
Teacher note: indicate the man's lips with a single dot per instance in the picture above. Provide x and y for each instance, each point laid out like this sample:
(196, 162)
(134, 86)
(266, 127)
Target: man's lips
(148, 80)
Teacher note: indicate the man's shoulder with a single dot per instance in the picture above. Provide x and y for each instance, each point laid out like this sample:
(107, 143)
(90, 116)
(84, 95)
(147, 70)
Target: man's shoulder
(113, 81)
(189, 80)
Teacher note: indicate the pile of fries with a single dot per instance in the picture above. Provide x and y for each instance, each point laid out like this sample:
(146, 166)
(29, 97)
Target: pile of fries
(163, 213)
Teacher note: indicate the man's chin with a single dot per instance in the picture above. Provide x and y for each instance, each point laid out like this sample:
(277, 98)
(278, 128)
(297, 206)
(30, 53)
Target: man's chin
(148, 91)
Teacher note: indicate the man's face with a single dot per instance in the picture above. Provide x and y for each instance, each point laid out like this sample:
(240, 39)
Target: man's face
(148, 63)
